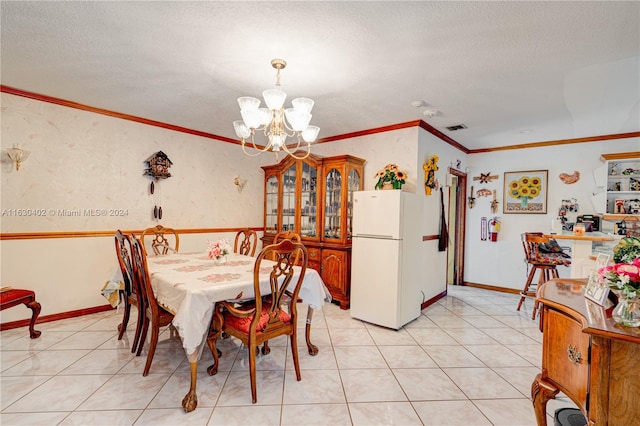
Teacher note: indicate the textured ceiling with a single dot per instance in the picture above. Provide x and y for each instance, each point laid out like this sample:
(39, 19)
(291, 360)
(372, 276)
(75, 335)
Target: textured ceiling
(512, 72)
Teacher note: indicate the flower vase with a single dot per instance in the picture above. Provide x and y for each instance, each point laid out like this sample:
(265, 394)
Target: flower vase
(387, 185)
(627, 311)
(220, 260)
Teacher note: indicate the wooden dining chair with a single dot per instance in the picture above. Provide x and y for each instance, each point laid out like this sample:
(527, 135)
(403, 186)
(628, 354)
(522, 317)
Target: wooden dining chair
(287, 235)
(162, 240)
(131, 290)
(280, 236)
(264, 319)
(246, 242)
(545, 264)
(154, 315)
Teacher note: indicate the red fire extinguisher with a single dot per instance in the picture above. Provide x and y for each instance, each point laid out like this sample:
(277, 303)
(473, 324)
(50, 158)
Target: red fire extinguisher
(494, 229)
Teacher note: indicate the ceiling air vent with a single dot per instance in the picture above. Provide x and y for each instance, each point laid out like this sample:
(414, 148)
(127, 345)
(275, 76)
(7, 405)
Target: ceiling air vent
(456, 127)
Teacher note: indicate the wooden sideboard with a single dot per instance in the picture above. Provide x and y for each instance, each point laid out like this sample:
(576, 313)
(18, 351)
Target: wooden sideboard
(587, 356)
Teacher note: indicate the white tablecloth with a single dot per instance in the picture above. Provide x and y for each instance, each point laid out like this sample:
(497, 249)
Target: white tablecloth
(189, 284)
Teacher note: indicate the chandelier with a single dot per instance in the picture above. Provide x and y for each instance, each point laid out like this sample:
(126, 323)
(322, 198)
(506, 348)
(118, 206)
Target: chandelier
(276, 122)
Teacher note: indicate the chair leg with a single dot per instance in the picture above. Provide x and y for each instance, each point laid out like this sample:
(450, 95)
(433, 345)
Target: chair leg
(155, 329)
(143, 335)
(535, 309)
(136, 337)
(549, 273)
(524, 292)
(212, 340)
(265, 348)
(252, 371)
(35, 308)
(294, 352)
(122, 327)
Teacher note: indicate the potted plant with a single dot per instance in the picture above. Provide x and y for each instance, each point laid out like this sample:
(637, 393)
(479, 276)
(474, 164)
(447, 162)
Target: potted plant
(391, 177)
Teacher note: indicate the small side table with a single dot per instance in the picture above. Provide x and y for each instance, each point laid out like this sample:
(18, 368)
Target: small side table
(13, 297)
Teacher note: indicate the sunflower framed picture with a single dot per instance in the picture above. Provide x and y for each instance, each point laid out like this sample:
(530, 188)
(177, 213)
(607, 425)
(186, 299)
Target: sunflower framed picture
(525, 192)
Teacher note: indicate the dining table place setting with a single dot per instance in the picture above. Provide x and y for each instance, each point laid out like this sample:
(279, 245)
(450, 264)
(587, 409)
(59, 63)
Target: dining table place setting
(190, 284)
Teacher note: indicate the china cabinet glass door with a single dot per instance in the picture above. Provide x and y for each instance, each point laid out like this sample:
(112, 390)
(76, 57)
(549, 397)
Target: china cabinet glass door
(333, 199)
(289, 199)
(353, 184)
(271, 213)
(308, 195)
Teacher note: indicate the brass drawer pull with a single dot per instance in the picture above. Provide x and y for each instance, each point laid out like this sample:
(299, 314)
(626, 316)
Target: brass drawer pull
(574, 354)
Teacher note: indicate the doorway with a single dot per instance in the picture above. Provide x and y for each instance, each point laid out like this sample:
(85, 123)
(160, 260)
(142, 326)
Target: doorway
(457, 219)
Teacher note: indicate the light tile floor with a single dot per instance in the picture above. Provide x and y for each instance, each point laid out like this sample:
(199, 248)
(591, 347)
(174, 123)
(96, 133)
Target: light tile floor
(469, 359)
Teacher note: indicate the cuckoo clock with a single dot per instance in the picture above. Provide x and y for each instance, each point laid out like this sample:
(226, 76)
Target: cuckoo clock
(157, 168)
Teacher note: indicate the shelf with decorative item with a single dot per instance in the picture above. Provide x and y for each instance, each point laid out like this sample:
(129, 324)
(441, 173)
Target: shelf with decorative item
(619, 177)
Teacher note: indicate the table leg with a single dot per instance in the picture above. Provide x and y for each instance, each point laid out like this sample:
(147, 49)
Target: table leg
(541, 392)
(313, 349)
(190, 400)
(35, 307)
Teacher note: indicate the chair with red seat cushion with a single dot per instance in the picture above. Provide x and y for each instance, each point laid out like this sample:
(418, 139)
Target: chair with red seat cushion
(12, 297)
(243, 322)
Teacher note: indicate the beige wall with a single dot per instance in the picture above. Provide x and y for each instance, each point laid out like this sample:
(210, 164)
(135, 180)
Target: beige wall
(84, 161)
(81, 160)
(502, 263)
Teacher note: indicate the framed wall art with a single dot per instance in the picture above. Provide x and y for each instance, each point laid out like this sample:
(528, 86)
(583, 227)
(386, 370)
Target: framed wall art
(525, 192)
(594, 290)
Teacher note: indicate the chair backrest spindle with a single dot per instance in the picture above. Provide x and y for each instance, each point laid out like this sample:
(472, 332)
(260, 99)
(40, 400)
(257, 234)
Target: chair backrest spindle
(286, 254)
(160, 243)
(246, 242)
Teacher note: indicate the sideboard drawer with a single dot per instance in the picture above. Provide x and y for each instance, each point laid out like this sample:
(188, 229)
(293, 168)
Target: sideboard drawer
(314, 258)
(566, 354)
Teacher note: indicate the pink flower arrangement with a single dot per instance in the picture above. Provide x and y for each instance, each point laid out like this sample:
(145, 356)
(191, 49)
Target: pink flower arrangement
(217, 249)
(624, 277)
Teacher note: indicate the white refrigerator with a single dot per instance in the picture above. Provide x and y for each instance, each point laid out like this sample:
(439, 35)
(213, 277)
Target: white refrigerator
(385, 269)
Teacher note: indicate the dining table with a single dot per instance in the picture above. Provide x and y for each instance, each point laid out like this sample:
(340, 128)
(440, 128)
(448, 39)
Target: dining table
(189, 284)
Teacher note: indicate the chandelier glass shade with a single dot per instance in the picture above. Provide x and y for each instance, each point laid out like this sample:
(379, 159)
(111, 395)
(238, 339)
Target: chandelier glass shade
(276, 122)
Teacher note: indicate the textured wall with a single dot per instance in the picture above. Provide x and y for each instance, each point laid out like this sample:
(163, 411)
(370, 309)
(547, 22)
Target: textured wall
(83, 162)
(80, 160)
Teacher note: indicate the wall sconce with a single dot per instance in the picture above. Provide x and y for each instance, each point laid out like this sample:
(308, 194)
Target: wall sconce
(18, 155)
(239, 183)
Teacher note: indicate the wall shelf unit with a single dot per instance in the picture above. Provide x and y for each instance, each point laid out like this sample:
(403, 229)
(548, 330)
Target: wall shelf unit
(620, 177)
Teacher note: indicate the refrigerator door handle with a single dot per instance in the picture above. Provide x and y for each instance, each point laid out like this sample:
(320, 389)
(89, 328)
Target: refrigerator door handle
(383, 237)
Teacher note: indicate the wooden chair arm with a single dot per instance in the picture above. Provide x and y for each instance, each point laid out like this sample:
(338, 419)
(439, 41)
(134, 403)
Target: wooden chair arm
(241, 313)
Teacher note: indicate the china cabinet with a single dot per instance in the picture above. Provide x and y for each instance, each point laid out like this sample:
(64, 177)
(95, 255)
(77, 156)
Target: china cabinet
(620, 177)
(313, 198)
